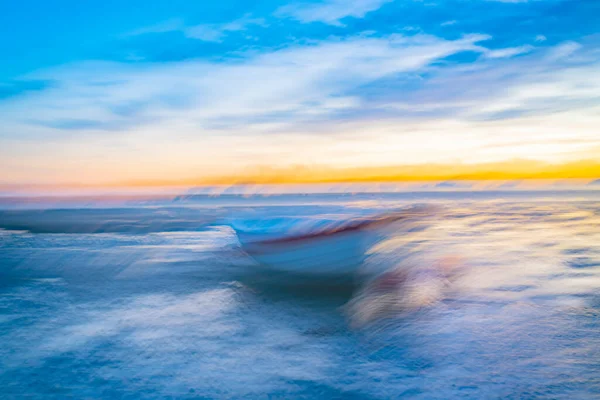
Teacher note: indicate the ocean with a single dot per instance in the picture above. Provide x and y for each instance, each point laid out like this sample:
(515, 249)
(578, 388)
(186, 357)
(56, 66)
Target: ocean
(155, 299)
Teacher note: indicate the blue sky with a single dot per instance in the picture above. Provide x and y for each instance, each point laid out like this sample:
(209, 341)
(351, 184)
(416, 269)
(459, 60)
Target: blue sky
(126, 90)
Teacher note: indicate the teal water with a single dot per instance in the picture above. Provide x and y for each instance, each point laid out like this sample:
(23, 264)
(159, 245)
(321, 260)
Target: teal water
(151, 302)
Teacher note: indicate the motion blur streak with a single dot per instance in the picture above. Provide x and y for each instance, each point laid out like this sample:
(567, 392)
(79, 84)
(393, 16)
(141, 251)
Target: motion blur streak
(493, 298)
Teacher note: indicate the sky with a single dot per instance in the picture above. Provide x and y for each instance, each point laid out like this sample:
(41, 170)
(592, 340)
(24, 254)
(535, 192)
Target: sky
(187, 92)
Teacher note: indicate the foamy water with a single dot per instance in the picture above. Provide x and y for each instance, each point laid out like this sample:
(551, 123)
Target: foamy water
(147, 309)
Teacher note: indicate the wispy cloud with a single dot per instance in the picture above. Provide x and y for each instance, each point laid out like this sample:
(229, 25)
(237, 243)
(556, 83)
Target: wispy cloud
(508, 52)
(563, 50)
(216, 32)
(551, 80)
(161, 27)
(449, 23)
(296, 83)
(204, 32)
(330, 11)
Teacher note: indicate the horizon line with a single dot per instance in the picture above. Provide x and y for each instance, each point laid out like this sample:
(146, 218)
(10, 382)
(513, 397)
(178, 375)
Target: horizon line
(512, 170)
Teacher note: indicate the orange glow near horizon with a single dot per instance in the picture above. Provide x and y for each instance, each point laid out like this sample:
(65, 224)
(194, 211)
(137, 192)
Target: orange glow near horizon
(512, 170)
(501, 171)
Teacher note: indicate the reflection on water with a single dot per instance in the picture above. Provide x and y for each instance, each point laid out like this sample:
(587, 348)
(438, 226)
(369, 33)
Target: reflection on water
(495, 299)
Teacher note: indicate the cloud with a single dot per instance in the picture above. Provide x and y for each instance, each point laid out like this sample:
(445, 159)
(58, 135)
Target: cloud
(449, 23)
(216, 32)
(282, 90)
(508, 52)
(330, 11)
(207, 33)
(204, 32)
(563, 50)
(541, 83)
(76, 124)
(298, 83)
(162, 27)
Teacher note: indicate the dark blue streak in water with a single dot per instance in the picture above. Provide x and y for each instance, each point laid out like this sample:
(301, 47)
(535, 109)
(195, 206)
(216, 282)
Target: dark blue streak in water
(151, 303)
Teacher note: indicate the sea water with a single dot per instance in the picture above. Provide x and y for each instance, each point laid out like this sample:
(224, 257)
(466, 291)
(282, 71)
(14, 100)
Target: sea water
(157, 301)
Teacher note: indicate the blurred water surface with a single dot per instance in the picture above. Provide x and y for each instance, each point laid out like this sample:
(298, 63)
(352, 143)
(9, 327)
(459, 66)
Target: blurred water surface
(151, 302)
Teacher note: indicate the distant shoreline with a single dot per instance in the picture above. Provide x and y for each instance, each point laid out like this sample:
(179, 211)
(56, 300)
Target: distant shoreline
(241, 200)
